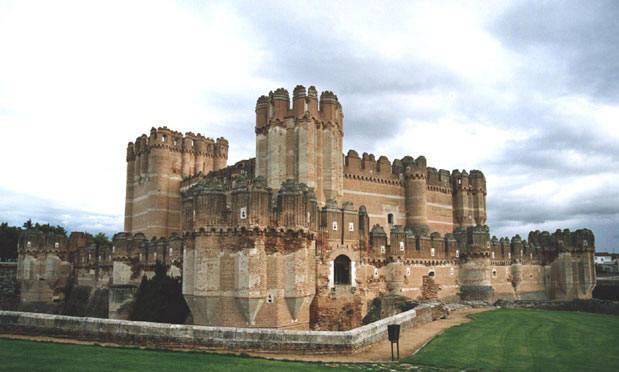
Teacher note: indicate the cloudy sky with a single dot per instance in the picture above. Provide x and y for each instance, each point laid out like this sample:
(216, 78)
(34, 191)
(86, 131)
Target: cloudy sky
(526, 91)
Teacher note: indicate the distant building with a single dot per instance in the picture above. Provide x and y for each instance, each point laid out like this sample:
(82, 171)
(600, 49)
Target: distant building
(603, 258)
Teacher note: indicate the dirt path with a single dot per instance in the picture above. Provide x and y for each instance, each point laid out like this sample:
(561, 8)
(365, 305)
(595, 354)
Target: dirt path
(410, 341)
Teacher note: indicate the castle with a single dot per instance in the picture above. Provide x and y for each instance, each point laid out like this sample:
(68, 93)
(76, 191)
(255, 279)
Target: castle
(303, 236)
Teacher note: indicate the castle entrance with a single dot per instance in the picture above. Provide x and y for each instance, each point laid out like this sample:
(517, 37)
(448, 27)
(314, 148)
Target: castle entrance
(342, 270)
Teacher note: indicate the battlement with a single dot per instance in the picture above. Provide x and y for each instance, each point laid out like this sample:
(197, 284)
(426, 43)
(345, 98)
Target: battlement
(412, 246)
(35, 242)
(581, 240)
(137, 249)
(367, 166)
(163, 137)
(275, 108)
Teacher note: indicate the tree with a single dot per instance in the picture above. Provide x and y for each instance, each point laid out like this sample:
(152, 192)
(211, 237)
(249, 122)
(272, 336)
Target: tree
(9, 236)
(45, 228)
(101, 239)
(160, 299)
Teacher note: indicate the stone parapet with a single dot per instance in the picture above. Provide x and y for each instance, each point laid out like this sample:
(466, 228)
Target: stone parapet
(226, 338)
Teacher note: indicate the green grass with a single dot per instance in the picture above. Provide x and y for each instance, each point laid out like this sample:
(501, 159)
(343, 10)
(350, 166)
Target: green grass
(21, 355)
(531, 340)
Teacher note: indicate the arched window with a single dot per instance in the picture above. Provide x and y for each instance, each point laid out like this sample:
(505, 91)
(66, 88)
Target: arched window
(390, 218)
(342, 270)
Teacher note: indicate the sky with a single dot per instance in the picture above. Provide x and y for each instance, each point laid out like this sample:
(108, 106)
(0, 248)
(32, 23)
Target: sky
(526, 91)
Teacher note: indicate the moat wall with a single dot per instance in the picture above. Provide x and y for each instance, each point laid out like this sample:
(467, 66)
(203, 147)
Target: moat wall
(222, 338)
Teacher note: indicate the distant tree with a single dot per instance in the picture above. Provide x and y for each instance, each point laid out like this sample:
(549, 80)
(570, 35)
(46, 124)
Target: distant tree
(160, 299)
(45, 228)
(101, 239)
(9, 236)
(28, 225)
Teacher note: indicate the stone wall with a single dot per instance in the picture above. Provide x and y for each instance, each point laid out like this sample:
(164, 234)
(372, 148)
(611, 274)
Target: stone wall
(222, 338)
(9, 296)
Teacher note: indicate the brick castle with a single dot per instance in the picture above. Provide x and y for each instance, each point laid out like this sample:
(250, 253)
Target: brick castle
(302, 236)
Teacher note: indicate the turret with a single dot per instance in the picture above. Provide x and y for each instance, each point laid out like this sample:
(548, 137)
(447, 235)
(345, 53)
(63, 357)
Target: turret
(220, 154)
(262, 112)
(415, 194)
(129, 186)
(251, 203)
(478, 191)
(329, 107)
(463, 206)
(378, 241)
(280, 104)
(299, 104)
(210, 204)
(312, 102)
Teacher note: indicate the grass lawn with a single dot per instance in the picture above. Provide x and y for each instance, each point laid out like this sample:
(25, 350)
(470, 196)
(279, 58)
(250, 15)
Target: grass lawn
(515, 339)
(21, 355)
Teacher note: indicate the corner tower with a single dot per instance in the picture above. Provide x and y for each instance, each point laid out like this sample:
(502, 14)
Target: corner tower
(301, 143)
(156, 165)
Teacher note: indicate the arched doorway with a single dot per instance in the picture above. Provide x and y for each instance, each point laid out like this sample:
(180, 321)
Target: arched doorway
(342, 270)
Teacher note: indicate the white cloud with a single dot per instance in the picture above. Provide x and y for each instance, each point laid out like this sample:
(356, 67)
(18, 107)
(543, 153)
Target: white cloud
(78, 80)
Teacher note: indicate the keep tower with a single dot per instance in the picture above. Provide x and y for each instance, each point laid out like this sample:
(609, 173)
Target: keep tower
(301, 143)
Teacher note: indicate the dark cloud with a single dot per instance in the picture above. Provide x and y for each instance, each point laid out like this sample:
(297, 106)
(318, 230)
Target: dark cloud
(309, 49)
(581, 34)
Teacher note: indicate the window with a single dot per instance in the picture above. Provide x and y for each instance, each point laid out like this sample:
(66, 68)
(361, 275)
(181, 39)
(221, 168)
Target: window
(269, 298)
(165, 138)
(29, 245)
(432, 252)
(56, 245)
(457, 253)
(334, 225)
(351, 226)
(375, 273)
(431, 274)
(390, 218)
(382, 249)
(342, 270)
(171, 250)
(408, 271)
(402, 246)
(494, 273)
(243, 213)
(309, 219)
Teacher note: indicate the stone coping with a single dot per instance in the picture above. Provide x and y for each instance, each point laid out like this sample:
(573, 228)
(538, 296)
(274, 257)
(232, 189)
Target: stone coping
(195, 336)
